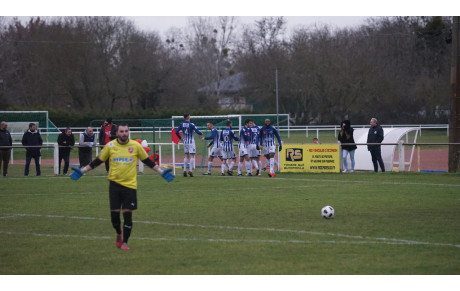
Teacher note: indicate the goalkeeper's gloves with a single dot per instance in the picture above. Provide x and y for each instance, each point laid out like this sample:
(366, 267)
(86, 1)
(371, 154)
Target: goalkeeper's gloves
(167, 175)
(76, 174)
(279, 148)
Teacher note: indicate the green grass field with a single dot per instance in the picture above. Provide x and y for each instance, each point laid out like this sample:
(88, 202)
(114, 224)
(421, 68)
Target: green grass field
(385, 223)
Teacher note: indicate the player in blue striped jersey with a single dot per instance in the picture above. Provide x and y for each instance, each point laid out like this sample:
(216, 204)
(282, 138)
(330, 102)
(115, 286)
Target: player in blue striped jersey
(188, 130)
(216, 150)
(245, 138)
(228, 152)
(254, 146)
(267, 140)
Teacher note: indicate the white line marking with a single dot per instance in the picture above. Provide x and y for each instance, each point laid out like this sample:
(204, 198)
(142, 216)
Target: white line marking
(54, 193)
(358, 237)
(148, 190)
(210, 239)
(268, 179)
(341, 181)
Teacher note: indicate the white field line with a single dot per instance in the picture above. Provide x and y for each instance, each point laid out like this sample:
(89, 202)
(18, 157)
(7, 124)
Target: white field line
(337, 181)
(54, 193)
(363, 239)
(203, 239)
(268, 179)
(147, 190)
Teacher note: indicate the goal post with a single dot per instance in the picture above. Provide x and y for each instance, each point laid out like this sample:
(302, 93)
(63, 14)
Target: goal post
(18, 123)
(282, 119)
(200, 122)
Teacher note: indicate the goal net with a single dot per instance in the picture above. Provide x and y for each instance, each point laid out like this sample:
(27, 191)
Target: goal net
(200, 122)
(279, 121)
(18, 123)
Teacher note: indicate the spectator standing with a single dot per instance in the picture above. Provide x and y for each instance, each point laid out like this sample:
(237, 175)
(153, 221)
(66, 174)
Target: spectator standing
(346, 136)
(66, 141)
(375, 135)
(6, 142)
(86, 143)
(33, 139)
(107, 133)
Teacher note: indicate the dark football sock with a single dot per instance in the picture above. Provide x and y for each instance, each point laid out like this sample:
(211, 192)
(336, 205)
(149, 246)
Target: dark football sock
(116, 222)
(127, 225)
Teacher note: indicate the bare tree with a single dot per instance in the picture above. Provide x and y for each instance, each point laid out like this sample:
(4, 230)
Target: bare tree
(210, 43)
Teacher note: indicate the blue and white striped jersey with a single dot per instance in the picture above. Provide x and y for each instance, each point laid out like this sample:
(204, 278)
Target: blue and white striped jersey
(226, 137)
(267, 136)
(188, 129)
(255, 133)
(214, 137)
(245, 136)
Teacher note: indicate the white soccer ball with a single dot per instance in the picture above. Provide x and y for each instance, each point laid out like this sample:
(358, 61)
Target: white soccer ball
(327, 212)
(144, 144)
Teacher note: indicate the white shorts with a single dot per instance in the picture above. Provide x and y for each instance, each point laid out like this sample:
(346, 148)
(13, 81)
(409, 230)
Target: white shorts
(243, 151)
(253, 152)
(216, 152)
(189, 148)
(228, 155)
(270, 150)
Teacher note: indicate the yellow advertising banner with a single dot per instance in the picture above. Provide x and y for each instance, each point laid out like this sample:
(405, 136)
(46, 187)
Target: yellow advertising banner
(311, 158)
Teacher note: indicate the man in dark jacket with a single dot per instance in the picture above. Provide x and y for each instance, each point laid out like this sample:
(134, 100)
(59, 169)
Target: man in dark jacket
(375, 135)
(66, 141)
(345, 137)
(5, 147)
(32, 138)
(107, 133)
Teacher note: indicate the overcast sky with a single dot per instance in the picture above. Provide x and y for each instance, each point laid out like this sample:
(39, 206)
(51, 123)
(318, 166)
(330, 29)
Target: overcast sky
(161, 15)
(163, 23)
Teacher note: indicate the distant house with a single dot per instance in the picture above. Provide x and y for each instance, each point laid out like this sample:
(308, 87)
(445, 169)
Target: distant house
(230, 92)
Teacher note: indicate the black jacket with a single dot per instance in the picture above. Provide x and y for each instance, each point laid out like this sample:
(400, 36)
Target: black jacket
(375, 135)
(65, 143)
(346, 136)
(32, 138)
(5, 139)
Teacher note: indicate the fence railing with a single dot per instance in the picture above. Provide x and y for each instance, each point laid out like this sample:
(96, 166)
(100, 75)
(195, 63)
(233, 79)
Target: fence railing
(308, 129)
(401, 161)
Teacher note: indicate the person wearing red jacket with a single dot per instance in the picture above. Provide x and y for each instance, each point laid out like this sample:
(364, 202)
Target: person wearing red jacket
(107, 133)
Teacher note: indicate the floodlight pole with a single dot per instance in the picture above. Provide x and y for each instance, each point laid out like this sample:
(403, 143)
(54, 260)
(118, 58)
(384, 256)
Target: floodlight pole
(454, 126)
(277, 112)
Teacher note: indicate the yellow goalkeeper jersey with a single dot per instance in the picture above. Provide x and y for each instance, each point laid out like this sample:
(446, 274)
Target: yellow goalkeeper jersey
(123, 161)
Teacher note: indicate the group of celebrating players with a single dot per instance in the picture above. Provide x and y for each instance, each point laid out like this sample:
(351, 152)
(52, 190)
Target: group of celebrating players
(250, 141)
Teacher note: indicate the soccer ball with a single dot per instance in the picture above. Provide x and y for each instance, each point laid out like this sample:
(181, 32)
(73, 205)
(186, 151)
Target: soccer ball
(327, 212)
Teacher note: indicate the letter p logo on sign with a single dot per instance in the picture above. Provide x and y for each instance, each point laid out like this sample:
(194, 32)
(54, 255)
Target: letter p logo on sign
(294, 155)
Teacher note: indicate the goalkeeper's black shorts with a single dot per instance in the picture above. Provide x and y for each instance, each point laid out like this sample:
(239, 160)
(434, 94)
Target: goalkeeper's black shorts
(122, 197)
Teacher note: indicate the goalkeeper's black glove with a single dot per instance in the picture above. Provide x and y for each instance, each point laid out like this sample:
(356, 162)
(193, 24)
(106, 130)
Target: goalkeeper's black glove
(280, 148)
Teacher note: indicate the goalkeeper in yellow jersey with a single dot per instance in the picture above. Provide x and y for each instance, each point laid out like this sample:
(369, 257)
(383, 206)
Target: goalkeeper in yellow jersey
(122, 154)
